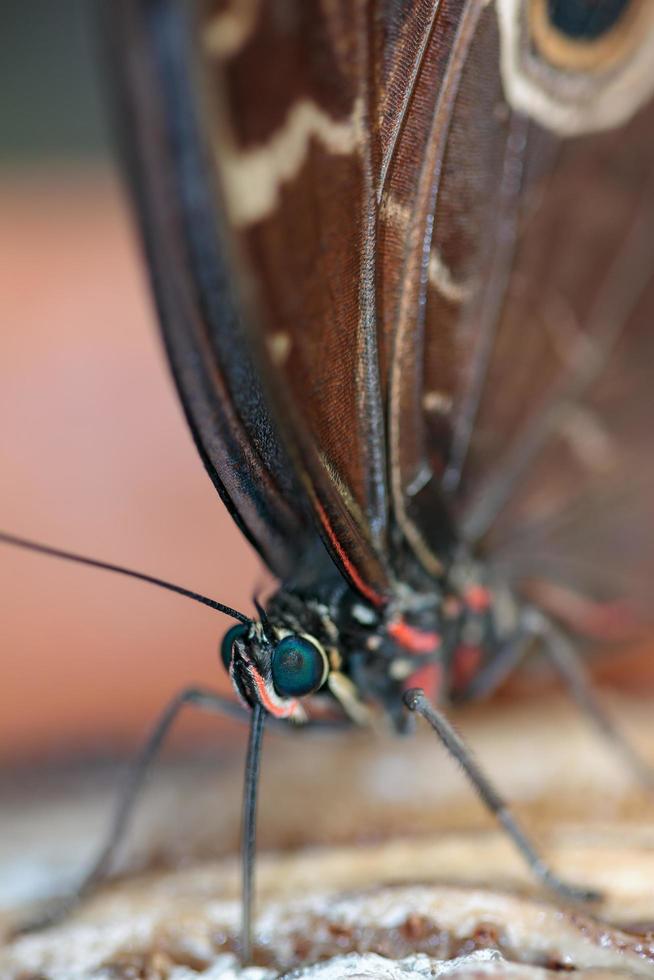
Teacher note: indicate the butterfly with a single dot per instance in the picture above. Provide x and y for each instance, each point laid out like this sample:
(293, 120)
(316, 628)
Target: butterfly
(403, 264)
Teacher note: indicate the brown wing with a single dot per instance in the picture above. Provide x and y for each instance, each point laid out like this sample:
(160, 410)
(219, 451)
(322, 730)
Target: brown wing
(559, 480)
(151, 53)
(520, 380)
(319, 106)
(334, 136)
(452, 180)
(393, 178)
(273, 266)
(289, 95)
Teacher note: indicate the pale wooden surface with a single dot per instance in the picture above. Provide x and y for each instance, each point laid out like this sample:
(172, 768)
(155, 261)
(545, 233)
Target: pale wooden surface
(372, 847)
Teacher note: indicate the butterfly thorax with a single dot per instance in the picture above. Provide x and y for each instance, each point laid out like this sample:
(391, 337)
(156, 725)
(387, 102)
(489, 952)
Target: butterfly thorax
(341, 651)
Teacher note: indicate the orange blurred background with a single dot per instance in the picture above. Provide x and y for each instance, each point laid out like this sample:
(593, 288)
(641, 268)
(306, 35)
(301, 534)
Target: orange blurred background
(94, 451)
(95, 457)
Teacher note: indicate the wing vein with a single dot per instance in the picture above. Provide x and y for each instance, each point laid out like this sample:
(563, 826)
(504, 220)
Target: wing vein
(485, 312)
(398, 123)
(615, 301)
(410, 313)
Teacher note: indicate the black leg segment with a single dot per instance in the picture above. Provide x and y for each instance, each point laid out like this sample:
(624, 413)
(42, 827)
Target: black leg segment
(201, 698)
(249, 828)
(569, 666)
(415, 700)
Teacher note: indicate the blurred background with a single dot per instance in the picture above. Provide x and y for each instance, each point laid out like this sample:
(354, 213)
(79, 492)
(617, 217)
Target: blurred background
(94, 453)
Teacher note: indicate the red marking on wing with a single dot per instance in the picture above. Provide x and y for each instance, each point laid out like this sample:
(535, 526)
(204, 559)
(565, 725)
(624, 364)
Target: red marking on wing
(410, 638)
(351, 571)
(477, 598)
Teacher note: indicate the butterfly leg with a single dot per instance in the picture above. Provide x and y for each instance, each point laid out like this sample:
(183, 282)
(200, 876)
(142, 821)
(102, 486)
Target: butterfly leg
(568, 665)
(565, 660)
(415, 700)
(201, 698)
(505, 660)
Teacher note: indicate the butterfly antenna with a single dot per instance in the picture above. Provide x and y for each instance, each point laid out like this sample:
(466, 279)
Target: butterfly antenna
(262, 614)
(249, 828)
(44, 549)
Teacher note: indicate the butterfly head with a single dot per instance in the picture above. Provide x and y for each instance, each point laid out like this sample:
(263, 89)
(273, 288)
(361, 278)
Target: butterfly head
(274, 667)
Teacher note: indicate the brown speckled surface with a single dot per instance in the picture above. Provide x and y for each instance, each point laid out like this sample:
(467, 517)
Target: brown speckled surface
(371, 849)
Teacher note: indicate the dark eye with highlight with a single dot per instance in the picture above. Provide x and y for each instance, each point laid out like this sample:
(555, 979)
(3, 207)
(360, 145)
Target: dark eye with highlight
(299, 666)
(235, 633)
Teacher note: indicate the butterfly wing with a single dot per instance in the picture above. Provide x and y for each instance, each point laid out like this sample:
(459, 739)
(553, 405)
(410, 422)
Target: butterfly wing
(273, 124)
(449, 184)
(289, 99)
(559, 480)
(521, 382)
(191, 267)
(371, 205)
(329, 170)
(251, 149)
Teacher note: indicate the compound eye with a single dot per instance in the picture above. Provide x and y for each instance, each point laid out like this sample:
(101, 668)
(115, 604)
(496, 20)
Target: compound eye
(237, 632)
(299, 666)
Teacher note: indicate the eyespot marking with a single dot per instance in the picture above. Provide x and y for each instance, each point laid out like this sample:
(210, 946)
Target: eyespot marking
(575, 67)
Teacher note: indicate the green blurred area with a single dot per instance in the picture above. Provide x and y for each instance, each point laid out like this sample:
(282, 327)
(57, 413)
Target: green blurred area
(51, 100)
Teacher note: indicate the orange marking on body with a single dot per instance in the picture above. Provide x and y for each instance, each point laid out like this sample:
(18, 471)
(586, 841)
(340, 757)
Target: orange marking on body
(364, 589)
(276, 710)
(477, 598)
(465, 665)
(429, 678)
(410, 638)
